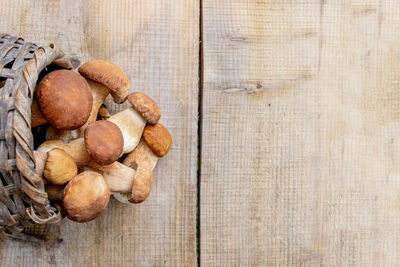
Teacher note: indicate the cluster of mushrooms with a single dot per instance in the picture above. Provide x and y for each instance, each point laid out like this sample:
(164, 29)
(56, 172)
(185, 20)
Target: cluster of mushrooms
(89, 154)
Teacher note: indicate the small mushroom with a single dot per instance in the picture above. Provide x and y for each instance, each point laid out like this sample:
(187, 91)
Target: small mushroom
(110, 77)
(158, 139)
(60, 167)
(100, 144)
(86, 196)
(65, 100)
(55, 165)
(143, 160)
(146, 107)
(155, 143)
(104, 142)
(132, 121)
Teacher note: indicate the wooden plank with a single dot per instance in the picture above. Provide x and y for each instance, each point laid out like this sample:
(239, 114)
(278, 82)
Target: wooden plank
(300, 139)
(156, 43)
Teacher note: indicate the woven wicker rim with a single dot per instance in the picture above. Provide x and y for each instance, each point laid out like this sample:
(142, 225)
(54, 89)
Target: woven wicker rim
(23, 201)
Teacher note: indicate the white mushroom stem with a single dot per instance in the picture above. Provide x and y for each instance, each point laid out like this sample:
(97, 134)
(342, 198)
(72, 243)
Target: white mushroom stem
(141, 154)
(118, 176)
(131, 125)
(77, 150)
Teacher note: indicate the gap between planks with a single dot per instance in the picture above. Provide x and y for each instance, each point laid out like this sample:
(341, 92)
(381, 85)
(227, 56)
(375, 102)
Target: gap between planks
(199, 128)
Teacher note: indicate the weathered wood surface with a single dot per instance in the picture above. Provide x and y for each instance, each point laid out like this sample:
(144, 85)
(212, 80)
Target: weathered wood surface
(156, 43)
(300, 130)
(301, 127)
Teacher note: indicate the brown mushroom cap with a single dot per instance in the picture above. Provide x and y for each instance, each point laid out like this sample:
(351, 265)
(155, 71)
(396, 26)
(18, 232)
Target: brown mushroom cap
(104, 142)
(147, 108)
(108, 74)
(60, 167)
(158, 139)
(65, 99)
(86, 196)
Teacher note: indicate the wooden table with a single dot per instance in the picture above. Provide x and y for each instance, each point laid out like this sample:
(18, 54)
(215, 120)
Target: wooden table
(285, 117)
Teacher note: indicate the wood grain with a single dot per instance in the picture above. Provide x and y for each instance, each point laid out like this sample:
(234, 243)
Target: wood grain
(156, 43)
(300, 140)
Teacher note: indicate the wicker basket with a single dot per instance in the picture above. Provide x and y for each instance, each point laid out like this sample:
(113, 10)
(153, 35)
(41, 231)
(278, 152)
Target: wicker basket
(23, 201)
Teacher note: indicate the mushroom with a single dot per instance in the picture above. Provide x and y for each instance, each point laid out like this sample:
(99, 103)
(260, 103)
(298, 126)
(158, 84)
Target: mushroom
(64, 99)
(103, 143)
(60, 167)
(110, 78)
(86, 196)
(132, 121)
(143, 160)
(146, 107)
(55, 165)
(158, 139)
(103, 78)
(155, 143)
